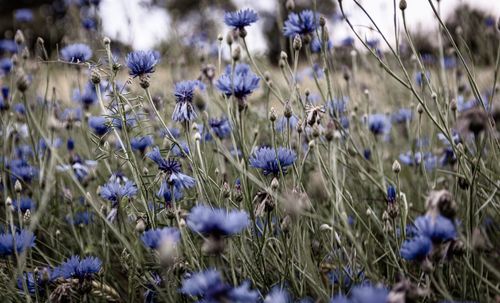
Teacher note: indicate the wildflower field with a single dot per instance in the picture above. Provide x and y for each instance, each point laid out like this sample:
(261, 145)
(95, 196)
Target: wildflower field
(361, 171)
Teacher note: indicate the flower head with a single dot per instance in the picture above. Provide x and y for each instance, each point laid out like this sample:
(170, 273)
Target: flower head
(142, 62)
(438, 229)
(76, 53)
(115, 190)
(172, 168)
(99, 125)
(153, 238)
(278, 295)
(221, 127)
(23, 15)
(141, 143)
(216, 221)
(302, 23)
(403, 115)
(207, 284)
(379, 124)
(23, 204)
(184, 93)
(74, 267)
(240, 19)
(416, 248)
(271, 160)
(242, 82)
(23, 239)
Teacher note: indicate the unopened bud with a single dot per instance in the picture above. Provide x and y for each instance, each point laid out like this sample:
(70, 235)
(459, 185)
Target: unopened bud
(290, 5)
(106, 41)
(18, 187)
(311, 144)
(229, 38)
(420, 109)
(220, 37)
(403, 5)
(19, 37)
(236, 55)
(322, 21)
(140, 225)
(275, 184)
(396, 167)
(272, 114)
(95, 77)
(283, 56)
(297, 43)
(8, 202)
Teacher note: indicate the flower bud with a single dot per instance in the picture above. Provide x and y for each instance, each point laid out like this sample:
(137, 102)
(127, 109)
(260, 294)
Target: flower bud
(229, 38)
(236, 54)
(275, 184)
(220, 37)
(18, 187)
(420, 109)
(297, 43)
(272, 114)
(290, 5)
(283, 56)
(106, 41)
(396, 167)
(19, 37)
(140, 225)
(403, 5)
(322, 21)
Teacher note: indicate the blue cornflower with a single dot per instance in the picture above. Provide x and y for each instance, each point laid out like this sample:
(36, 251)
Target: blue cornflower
(317, 45)
(278, 295)
(302, 23)
(347, 42)
(80, 218)
(410, 159)
(216, 221)
(77, 268)
(271, 160)
(176, 149)
(240, 19)
(221, 127)
(420, 78)
(6, 65)
(99, 125)
(379, 124)
(338, 106)
(243, 294)
(115, 189)
(438, 229)
(373, 43)
(89, 23)
(76, 53)
(23, 15)
(206, 284)
(403, 115)
(24, 239)
(242, 82)
(283, 122)
(20, 109)
(33, 282)
(86, 97)
(141, 143)
(391, 194)
(369, 294)
(166, 193)
(416, 248)
(23, 204)
(142, 62)
(153, 238)
(71, 115)
(20, 169)
(184, 93)
(172, 169)
(8, 46)
(340, 298)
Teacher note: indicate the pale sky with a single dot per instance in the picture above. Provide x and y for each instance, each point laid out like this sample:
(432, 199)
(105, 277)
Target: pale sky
(147, 28)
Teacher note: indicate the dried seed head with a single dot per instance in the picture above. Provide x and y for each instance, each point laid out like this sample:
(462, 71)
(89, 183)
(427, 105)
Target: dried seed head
(311, 144)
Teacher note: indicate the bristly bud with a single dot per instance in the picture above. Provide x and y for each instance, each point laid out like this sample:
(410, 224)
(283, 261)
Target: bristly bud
(25, 54)
(297, 43)
(322, 21)
(229, 38)
(275, 184)
(144, 81)
(95, 77)
(18, 186)
(272, 114)
(19, 37)
(288, 110)
(140, 225)
(290, 5)
(106, 41)
(403, 5)
(22, 82)
(41, 47)
(283, 56)
(396, 167)
(420, 109)
(236, 55)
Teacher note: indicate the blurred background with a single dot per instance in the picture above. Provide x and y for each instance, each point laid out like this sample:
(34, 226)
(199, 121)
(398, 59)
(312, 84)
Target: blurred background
(147, 24)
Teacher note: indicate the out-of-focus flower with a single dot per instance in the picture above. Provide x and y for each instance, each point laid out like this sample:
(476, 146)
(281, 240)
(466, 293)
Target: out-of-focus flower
(153, 238)
(99, 125)
(416, 248)
(317, 45)
(23, 15)
(221, 127)
(216, 221)
(141, 143)
(23, 240)
(115, 190)
(76, 53)
(379, 124)
(438, 229)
